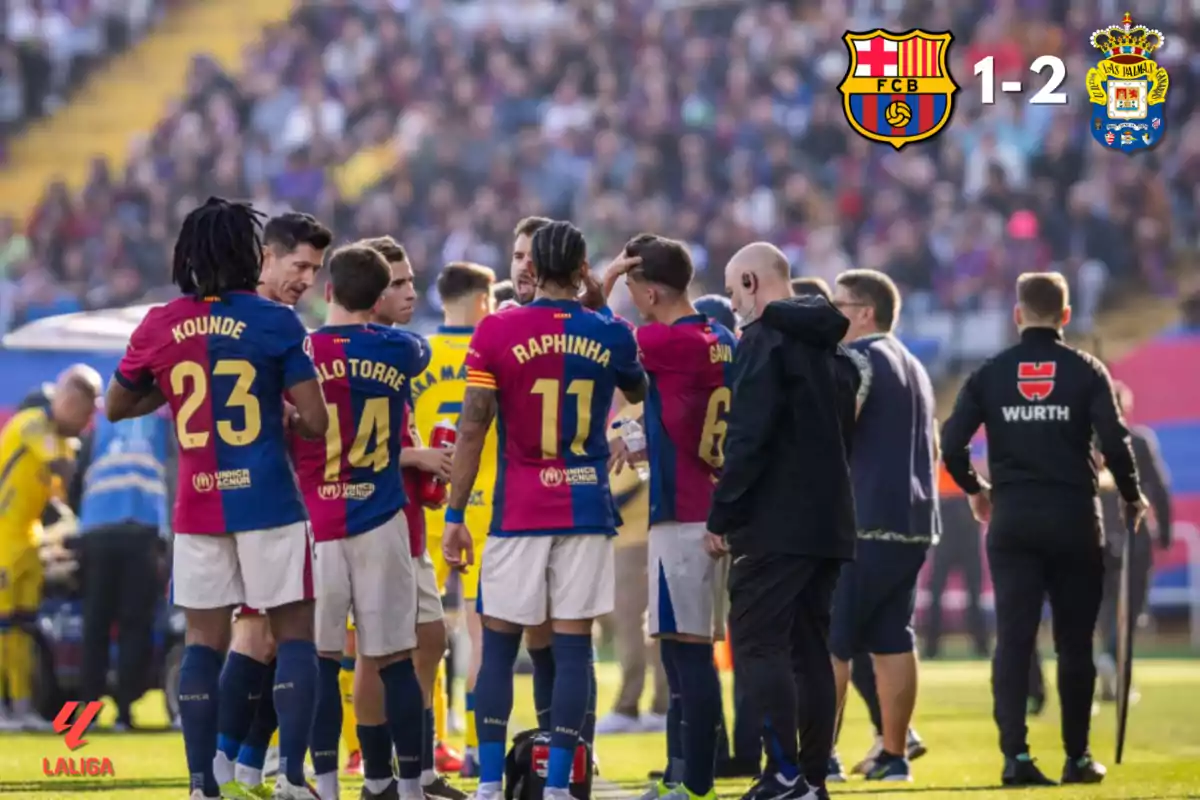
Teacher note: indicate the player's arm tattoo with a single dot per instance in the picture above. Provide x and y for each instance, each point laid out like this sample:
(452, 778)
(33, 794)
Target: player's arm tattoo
(478, 411)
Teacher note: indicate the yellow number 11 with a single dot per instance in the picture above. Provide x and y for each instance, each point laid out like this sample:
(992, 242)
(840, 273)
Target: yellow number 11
(548, 388)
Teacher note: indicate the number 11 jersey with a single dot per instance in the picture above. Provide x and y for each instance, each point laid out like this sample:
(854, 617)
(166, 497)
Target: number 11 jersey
(554, 366)
(223, 364)
(690, 364)
(351, 479)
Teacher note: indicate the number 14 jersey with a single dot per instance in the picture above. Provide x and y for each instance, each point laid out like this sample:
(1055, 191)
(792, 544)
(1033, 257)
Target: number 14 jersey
(351, 479)
(223, 364)
(690, 364)
(554, 366)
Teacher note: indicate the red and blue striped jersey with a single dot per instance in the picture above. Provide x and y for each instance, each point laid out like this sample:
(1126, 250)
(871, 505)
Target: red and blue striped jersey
(351, 479)
(554, 366)
(223, 364)
(690, 366)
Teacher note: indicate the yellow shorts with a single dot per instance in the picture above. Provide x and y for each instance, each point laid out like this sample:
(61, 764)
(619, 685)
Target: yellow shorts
(469, 580)
(20, 582)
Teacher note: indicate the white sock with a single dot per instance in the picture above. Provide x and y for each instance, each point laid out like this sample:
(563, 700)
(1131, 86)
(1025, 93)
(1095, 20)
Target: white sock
(377, 785)
(247, 775)
(223, 769)
(327, 785)
(410, 787)
(428, 776)
(489, 789)
(22, 707)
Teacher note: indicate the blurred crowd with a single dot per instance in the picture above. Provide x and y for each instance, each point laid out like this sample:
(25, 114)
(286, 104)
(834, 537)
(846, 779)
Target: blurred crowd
(715, 122)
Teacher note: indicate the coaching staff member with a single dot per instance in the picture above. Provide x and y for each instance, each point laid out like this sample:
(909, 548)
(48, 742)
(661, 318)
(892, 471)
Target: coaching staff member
(784, 508)
(1041, 401)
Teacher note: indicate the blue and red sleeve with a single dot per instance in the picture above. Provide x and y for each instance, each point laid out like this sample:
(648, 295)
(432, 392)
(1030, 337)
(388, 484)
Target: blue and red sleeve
(134, 371)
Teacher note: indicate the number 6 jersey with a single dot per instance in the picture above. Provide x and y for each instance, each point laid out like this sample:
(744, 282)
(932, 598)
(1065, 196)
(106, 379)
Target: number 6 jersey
(689, 363)
(554, 366)
(351, 479)
(223, 364)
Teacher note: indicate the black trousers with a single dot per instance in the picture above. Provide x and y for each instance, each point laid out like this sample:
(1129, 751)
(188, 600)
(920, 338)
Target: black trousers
(120, 586)
(959, 549)
(1038, 552)
(779, 622)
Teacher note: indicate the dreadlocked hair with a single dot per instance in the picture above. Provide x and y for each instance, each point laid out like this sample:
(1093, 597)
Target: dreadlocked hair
(219, 249)
(559, 254)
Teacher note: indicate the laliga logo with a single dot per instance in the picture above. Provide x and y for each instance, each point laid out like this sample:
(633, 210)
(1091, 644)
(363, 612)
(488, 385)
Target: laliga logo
(552, 476)
(203, 482)
(73, 733)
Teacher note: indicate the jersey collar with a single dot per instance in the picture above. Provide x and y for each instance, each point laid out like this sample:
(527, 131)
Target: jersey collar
(1040, 334)
(692, 319)
(549, 303)
(460, 330)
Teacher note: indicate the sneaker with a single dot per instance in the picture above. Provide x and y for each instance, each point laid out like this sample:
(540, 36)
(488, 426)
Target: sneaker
(263, 791)
(680, 792)
(774, 787)
(285, 790)
(7, 723)
(868, 762)
(32, 722)
(890, 768)
(656, 790)
(618, 723)
(236, 790)
(446, 758)
(198, 794)
(440, 789)
(469, 768)
(836, 773)
(653, 723)
(1083, 770)
(392, 792)
(915, 747)
(354, 764)
(1023, 771)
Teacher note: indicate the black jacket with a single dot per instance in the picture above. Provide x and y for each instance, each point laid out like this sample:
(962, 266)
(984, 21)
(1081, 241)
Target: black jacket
(1040, 401)
(785, 486)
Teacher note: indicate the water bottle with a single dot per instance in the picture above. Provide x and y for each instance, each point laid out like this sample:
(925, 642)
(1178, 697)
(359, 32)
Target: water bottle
(433, 490)
(633, 436)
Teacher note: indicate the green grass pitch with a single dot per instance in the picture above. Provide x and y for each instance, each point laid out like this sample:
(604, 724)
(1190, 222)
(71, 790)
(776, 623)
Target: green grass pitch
(1162, 756)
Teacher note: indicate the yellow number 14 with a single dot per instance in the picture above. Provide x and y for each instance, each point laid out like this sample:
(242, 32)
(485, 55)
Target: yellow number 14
(374, 428)
(548, 388)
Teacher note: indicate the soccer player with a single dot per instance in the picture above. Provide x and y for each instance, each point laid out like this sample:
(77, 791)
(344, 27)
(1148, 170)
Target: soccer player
(896, 510)
(35, 448)
(466, 292)
(353, 491)
(546, 373)
(293, 250)
(223, 357)
(524, 282)
(689, 360)
(396, 308)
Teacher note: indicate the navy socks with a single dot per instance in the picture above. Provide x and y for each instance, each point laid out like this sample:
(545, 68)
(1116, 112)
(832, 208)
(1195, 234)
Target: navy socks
(494, 700)
(406, 715)
(376, 744)
(295, 701)
(673, 774)
(543, 684)
(327, 720)
(253, 752)
(241, 687)
(701, 690)
(427, 741)
(572, 687)
(199, 684)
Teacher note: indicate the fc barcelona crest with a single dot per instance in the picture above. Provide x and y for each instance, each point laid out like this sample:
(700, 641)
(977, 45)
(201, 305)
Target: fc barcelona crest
(898, 88)
(1127, 88)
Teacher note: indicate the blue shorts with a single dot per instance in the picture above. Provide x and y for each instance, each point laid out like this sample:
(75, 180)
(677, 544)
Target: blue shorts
(874, 601)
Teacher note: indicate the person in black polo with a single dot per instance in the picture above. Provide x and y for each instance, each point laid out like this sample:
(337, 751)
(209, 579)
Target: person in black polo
(1042, 404)
(895, 502)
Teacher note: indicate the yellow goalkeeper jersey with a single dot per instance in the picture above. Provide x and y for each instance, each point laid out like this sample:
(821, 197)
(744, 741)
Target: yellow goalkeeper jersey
(437, 395)
(30, 449)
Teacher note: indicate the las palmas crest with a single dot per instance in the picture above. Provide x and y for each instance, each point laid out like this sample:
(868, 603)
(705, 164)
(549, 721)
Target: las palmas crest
(898, 88)
(1127, 89)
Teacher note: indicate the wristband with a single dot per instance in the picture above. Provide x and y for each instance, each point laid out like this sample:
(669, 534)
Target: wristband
(455, 516)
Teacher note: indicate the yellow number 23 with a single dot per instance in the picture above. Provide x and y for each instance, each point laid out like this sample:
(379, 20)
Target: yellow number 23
(190, 381)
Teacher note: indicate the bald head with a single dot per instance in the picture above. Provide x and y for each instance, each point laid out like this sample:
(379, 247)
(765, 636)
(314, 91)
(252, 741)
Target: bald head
(756, 275)
(74, 403)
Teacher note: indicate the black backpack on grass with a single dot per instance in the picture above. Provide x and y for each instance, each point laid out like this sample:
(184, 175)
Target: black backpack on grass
(526, 763)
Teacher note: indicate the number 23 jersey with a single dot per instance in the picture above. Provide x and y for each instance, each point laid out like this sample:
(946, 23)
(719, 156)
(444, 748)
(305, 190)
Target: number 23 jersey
(554, 366)
(223, 364)
(690, 364)
(351, 479)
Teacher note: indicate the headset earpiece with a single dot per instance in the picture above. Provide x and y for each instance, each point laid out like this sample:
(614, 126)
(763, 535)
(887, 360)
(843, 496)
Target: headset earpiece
(749, 282)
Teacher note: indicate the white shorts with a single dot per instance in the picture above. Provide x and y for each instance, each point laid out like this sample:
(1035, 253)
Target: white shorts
(527, 579)
(264, 569)
(372, 574)
(687, 587)
(429, 599)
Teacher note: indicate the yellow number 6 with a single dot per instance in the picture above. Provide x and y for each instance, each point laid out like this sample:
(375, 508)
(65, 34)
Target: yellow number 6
(712, 440)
